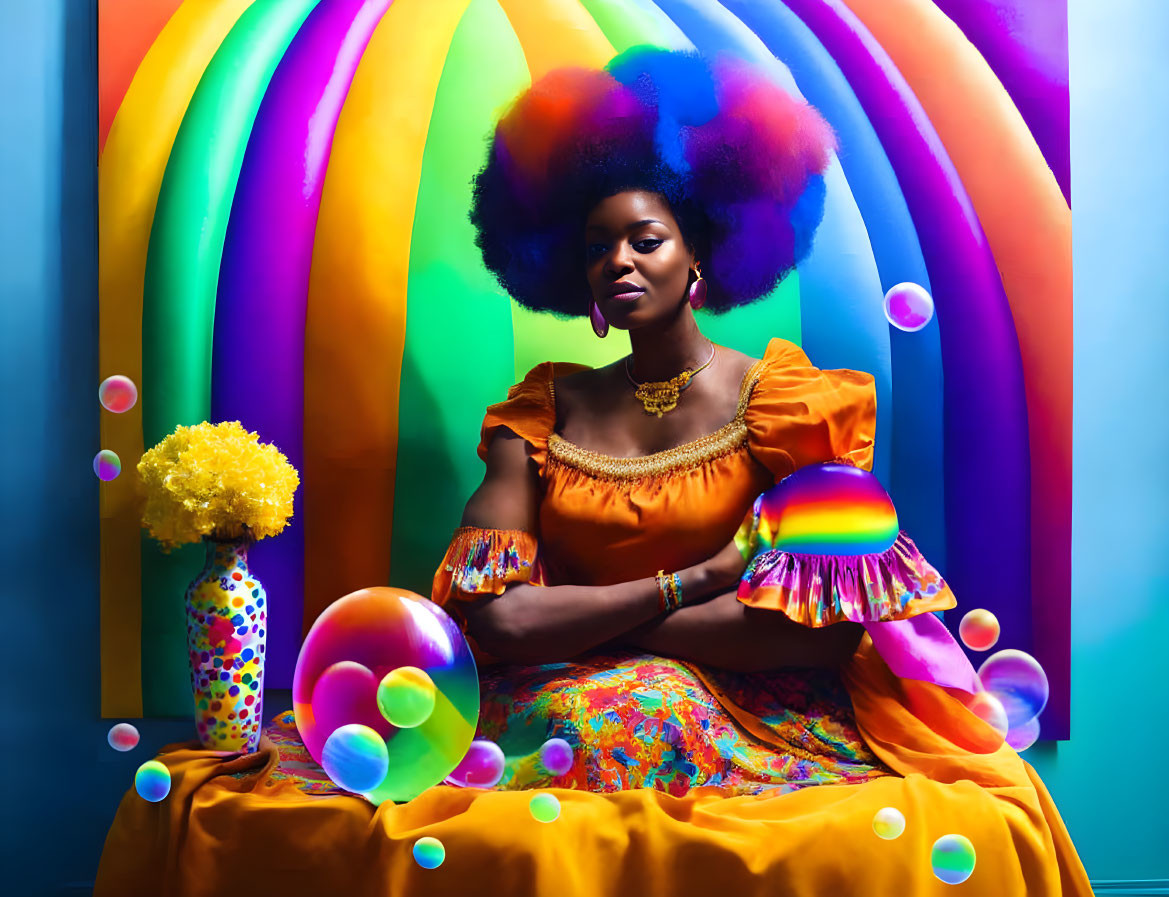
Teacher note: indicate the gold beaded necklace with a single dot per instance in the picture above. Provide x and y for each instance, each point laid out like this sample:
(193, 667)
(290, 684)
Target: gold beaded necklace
(659, 396)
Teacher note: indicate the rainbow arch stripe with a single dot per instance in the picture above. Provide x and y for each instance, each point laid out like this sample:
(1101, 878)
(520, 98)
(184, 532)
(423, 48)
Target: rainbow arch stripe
(284, 241)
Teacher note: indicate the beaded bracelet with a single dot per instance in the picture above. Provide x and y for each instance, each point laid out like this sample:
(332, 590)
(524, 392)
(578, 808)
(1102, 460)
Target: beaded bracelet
(669, 591)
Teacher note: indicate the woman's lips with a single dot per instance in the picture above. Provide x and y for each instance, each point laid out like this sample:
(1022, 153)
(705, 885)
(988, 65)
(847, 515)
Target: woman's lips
(626, 297)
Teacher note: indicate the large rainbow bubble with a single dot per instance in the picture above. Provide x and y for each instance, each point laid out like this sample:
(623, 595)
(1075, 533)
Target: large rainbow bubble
(352, 647)
(1018, 681)
(827, 509)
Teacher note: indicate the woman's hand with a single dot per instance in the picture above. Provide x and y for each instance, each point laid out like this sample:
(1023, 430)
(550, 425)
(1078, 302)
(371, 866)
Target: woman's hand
(725, 568)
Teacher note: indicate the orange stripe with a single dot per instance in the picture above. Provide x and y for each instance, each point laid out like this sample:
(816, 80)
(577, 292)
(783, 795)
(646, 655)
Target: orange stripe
(125, 31)
(556, 33)
(131, 169)
(355, 332)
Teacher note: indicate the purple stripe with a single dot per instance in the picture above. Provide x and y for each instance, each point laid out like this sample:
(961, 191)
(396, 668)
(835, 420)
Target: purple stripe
(987, 475)
(1026, 45)
(258, 372)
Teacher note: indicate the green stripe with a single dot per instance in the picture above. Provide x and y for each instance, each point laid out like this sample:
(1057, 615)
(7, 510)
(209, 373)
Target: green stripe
(628, 25)
(178, 303)
(458, 352)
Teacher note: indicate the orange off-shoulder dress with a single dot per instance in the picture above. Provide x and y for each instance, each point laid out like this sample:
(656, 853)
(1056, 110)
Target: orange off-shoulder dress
(231, 824)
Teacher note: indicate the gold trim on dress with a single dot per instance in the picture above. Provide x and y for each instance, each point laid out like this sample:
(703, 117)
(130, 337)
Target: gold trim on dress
(728, 438)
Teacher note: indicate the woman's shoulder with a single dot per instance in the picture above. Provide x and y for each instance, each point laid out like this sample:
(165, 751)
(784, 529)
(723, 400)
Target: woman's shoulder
(529, 409)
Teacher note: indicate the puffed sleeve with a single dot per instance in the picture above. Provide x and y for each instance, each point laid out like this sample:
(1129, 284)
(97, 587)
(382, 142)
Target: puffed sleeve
(799, 415)
(529, 410)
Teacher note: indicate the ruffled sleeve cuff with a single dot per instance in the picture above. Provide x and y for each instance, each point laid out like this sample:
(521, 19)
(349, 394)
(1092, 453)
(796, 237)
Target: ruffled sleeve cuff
(819, 589)
(482, 562)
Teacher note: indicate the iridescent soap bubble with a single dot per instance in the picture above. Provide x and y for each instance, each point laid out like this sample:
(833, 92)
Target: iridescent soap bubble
(544, 807)
(888, 823)
(117, 393)
(979, 630)
(123, 737)
(355, 757)
(429, 852)
(1016, 679)
(483, 766)
(952, 858)
(555, 756)
(107, 465)
(347, 653)
(1022, 737)
(908, 307)
(988, 708)
(405, 697)
(152, 781)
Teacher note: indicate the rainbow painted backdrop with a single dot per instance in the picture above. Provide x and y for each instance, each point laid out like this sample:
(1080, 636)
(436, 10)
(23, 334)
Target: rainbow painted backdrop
(284, 241)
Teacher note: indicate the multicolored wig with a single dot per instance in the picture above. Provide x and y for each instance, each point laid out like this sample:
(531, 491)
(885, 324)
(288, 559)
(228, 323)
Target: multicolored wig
(738, 160)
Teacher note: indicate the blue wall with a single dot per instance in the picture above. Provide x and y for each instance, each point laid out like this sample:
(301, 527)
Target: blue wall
(1114, 803)
(1108, 780)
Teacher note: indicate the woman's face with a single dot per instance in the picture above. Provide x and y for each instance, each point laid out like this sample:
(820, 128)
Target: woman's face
(635, 258)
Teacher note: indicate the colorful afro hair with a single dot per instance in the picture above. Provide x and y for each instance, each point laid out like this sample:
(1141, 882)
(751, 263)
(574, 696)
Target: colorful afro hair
(739, 161)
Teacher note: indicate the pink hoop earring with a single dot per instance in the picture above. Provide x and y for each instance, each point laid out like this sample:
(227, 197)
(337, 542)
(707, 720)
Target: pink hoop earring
(600, 325)
(698, 290)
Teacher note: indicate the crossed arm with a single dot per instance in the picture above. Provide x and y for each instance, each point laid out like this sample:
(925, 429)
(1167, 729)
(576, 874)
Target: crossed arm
(549, 624)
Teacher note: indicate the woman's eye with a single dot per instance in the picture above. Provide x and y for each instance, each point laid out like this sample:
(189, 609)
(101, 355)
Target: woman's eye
(595, 249)
(647, 245)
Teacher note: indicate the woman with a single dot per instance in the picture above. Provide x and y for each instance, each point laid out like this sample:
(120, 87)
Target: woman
(596, 571)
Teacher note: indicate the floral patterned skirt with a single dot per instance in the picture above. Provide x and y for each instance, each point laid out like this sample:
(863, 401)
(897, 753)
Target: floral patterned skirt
(638, 720)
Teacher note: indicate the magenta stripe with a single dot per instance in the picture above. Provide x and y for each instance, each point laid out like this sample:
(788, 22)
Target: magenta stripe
(258, 357)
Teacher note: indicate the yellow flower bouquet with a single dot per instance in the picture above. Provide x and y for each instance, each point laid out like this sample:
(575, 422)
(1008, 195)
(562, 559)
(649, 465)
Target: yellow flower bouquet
(217, 483)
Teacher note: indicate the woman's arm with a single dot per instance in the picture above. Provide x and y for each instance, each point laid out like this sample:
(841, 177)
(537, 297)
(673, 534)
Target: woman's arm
(730, 635)
(547, 624)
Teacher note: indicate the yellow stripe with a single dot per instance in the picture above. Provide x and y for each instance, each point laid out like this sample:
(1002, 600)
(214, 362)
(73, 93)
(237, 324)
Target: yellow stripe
(129, 176)
(355, 332)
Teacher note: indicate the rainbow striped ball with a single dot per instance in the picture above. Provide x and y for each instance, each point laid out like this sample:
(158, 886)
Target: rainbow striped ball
(952, 858)
(152, 781)
(123, 737)
(829, 509)
(429, 852)
(355, 757)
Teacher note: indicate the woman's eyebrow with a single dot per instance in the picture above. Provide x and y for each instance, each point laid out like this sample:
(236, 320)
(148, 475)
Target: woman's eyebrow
(633, 226)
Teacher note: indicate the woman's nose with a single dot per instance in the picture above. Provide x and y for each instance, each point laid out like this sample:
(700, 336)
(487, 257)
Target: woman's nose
(620, 260)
